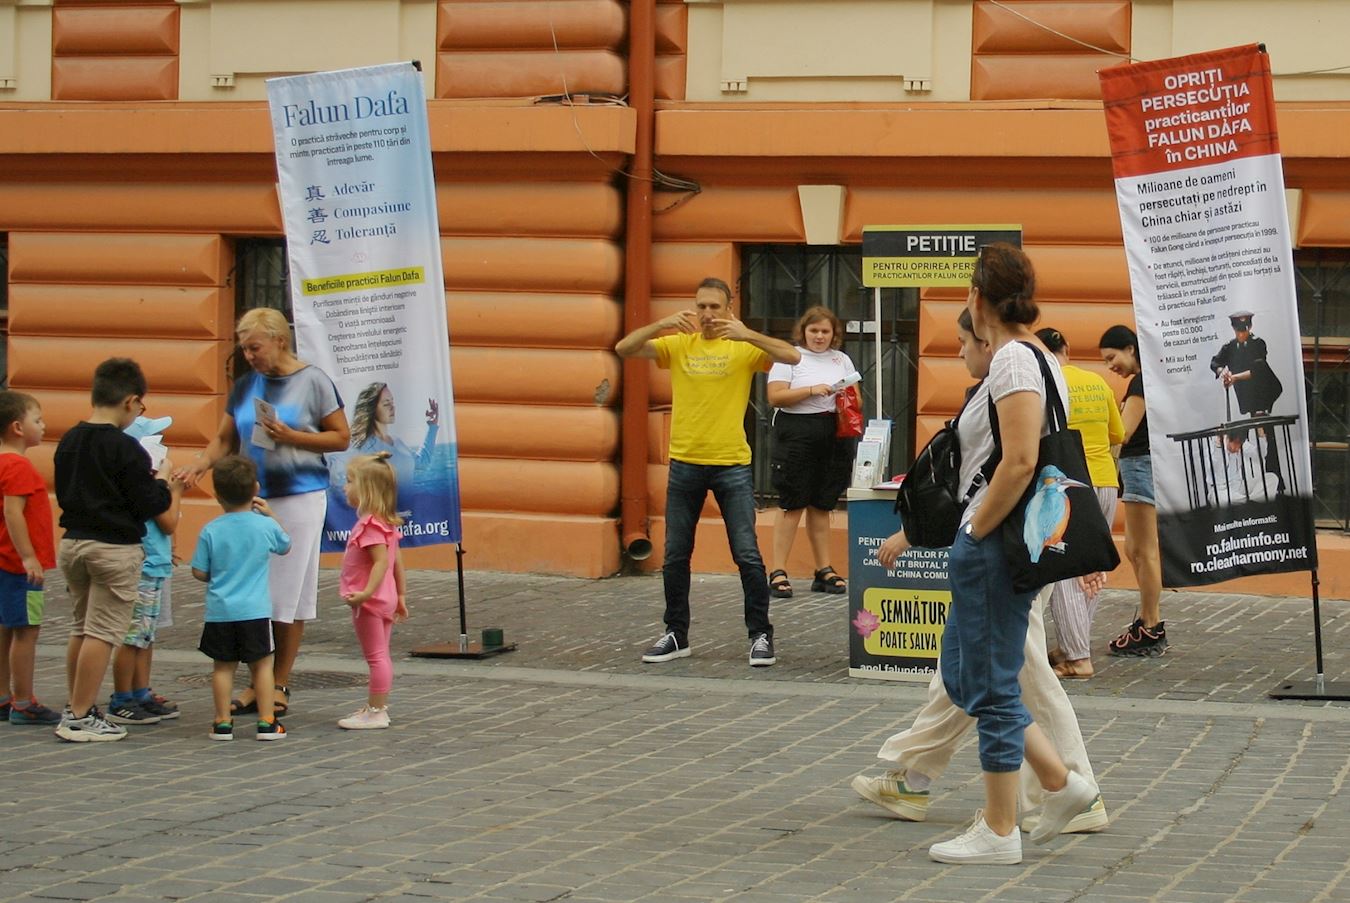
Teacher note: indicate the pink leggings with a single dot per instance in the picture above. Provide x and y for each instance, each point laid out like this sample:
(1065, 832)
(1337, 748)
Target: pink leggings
(374, 631)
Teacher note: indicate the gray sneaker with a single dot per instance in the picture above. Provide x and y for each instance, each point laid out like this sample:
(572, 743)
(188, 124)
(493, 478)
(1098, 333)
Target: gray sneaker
(92, 728)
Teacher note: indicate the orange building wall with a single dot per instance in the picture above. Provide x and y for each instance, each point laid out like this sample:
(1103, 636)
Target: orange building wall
(77, 298)
(1010, 58)
(115, 50)
(536, 48)
(127, 245)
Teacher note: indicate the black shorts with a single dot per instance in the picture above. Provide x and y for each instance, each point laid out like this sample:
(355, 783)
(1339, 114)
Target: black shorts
(237, 641)
(810, 466)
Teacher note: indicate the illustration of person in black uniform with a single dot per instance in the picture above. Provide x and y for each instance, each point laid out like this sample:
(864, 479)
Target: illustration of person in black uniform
(1241, 364)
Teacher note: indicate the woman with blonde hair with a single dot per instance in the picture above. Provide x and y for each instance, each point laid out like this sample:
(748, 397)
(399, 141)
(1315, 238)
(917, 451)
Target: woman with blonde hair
(810, 464)
(286, 415)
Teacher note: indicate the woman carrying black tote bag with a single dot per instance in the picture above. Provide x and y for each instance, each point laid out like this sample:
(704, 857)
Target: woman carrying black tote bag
(983, 640)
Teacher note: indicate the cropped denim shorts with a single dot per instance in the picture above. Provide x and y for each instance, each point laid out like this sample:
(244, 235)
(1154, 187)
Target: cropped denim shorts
(1136, 476)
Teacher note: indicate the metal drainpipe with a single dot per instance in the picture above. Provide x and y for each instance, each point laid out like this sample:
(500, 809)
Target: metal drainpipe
(637, 545)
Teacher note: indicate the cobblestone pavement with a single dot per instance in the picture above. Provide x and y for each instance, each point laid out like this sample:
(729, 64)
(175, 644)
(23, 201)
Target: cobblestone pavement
(569, 771)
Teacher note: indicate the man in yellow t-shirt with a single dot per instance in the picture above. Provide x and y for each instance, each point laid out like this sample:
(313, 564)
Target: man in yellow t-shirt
(712, 358)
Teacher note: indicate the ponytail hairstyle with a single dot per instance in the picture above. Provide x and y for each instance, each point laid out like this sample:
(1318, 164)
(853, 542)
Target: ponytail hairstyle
(375, 486)
(1006, 281)
(1052, 339)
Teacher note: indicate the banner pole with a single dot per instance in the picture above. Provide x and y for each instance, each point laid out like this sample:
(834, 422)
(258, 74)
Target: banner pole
(463, 648)
(463, 617)
(876, 315)
(1317, 688)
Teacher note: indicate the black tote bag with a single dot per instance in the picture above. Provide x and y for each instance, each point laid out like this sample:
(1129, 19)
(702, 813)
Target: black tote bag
(1056, 530)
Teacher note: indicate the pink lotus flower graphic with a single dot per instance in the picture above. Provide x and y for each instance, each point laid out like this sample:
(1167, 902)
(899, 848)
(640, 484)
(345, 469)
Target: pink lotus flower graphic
(866, 623)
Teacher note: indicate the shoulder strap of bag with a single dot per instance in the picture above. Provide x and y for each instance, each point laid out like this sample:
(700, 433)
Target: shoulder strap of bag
(982, 475)
(1054, 411)
(1054, 405)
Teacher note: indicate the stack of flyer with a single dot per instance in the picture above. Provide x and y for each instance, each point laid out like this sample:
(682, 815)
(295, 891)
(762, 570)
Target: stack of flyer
(874, 454)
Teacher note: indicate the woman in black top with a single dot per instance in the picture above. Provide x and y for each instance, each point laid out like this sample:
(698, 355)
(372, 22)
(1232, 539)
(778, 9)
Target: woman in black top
(1147, 636)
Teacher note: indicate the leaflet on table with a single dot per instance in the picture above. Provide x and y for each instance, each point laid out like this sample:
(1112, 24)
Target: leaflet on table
(869, 464)
(880, 430)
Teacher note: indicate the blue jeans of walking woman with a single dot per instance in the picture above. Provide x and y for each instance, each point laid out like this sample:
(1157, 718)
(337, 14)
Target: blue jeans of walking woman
(686, 490)
(982, 648)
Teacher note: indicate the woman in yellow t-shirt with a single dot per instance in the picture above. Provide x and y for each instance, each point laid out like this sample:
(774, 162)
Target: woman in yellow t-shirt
(1094, 413)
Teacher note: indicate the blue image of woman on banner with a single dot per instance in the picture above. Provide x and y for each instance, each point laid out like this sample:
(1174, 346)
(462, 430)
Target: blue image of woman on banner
(372, 416)
(427, 484)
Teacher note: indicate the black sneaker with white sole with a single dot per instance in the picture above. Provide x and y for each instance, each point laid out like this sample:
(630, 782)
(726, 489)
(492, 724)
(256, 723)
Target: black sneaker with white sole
(155, 707)
(667, 648)
(761, 651)
(130, 713)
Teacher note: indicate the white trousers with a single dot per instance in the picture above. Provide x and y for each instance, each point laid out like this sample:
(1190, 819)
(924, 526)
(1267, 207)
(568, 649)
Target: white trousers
(293, 578)
(1071, 607)
(927, 746)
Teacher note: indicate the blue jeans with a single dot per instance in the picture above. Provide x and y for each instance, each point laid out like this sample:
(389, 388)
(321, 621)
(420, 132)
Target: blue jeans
(983, 648)
(686, 490)
(1136, 475)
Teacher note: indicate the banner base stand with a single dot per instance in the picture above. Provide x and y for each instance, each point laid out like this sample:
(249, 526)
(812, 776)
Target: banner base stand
(1319, 689)
(464, 648)
(474, 650)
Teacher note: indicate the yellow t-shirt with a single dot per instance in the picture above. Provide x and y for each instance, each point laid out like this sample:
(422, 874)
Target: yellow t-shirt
(710, 381)
(1093, 412)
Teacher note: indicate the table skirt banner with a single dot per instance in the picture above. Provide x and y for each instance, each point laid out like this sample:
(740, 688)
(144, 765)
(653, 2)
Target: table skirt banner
(895, 615)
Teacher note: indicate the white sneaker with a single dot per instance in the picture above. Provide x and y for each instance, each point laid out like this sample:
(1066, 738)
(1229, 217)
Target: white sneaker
(1061, 806)
(893, 794)
(92, 728)
(1089, 821)
(979, 844)
(366, 719)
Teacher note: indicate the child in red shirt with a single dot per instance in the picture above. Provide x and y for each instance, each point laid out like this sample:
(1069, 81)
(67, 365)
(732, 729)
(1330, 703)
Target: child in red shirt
(26, 551)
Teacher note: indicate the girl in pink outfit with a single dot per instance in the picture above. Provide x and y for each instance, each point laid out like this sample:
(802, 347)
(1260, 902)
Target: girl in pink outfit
(371, 581)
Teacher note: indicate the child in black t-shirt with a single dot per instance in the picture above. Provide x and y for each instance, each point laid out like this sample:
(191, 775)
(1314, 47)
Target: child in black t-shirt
(106, 492)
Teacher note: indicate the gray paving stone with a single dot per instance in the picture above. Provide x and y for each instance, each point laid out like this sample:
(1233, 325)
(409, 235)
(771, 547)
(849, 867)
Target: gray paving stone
(575, 770)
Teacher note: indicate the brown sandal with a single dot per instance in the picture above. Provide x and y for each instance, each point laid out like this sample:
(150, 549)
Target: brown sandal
(1073, 670)
(779, 585)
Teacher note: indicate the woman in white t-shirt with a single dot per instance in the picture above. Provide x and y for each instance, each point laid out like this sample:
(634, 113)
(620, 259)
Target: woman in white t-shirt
(810, 465)
(983, 640)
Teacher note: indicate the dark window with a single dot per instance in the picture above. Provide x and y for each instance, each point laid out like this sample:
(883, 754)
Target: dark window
(261, 279)
(1323, 283)
(778, 284)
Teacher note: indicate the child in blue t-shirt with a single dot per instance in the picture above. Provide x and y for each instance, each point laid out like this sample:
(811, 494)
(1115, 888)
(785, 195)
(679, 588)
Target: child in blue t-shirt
(133, 702)
(232, 557)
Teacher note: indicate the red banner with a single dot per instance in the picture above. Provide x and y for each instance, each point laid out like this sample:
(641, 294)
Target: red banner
(1213, 107)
